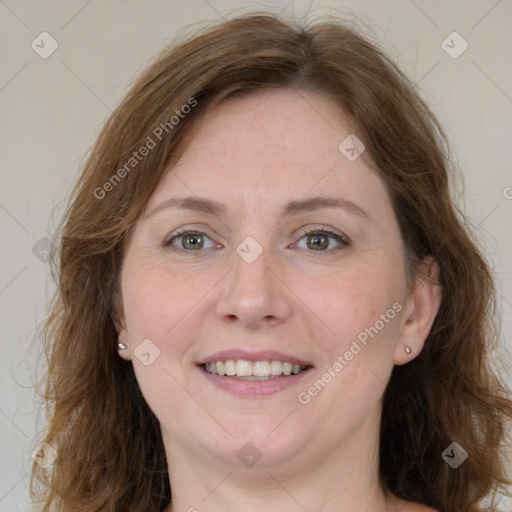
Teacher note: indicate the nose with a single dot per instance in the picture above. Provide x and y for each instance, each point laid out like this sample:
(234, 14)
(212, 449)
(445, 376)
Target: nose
(254, 293)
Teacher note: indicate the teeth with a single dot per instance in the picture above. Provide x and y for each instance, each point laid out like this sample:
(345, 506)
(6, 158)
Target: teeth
(243, 368)
(276, 368)
(230, 367)
(261, 369)
(248, 369)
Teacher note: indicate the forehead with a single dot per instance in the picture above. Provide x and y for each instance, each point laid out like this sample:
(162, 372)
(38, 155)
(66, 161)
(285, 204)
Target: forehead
(270, 146)
(267, 126)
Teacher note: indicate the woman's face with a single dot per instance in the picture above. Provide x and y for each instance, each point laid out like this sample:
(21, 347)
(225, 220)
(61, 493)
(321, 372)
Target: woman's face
(256, 288)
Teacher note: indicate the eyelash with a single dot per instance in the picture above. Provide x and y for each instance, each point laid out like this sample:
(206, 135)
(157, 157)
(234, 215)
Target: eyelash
(341, 239)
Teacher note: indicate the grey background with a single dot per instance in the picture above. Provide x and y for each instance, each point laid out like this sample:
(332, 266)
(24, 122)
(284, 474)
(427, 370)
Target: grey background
(52, 110)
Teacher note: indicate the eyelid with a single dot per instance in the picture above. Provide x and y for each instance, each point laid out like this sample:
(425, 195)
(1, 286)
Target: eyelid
(184, 231)
(340, 237)
(319, 228)
(343, 241)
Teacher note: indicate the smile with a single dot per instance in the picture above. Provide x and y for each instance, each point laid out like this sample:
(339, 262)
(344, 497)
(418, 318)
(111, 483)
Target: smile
(249, 370)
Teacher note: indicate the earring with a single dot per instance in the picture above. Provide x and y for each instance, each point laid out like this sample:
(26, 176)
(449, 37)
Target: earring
(121, 346)
(408, 349)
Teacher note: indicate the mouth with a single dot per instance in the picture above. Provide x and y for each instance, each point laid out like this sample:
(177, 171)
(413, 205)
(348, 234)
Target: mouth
(242, 369)
(253, 374)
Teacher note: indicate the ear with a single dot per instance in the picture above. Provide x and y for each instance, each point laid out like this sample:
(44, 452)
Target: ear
(421, 309)
(122, 332)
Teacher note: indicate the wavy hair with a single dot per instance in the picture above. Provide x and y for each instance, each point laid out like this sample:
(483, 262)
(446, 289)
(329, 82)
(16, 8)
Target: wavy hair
(110, 450)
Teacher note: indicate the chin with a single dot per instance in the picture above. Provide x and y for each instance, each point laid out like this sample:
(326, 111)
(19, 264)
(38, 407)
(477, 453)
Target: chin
(257, 445)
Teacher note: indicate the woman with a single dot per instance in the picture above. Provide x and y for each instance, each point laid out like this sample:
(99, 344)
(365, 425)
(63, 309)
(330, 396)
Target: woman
(267, 297)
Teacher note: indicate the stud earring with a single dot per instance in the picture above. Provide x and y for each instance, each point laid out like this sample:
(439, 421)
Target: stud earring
(408, 349)
(121, 346)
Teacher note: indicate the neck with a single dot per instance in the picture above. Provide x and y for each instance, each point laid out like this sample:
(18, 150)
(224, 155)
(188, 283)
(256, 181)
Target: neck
(344, 479)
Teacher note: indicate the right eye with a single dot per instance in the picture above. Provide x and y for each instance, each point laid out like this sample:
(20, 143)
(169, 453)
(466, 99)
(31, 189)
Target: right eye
(188, 240)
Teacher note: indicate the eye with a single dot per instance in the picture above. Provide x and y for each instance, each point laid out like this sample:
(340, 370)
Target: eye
(319, 239)
(190, 240)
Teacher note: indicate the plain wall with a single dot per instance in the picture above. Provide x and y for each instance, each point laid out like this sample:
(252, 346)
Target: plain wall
(52, 110)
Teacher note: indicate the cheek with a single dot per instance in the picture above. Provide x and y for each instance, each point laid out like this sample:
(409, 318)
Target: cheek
(349, 302)
(357, 360)
(361, 310)
(155, 298)
(156, 304)
(148, 307)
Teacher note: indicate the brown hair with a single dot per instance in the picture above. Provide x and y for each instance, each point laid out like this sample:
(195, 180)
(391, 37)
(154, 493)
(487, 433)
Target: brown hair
(110, 450)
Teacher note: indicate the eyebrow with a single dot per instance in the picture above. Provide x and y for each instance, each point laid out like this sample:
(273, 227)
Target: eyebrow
(211, 207)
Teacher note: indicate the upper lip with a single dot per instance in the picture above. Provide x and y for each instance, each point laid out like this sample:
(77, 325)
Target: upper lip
(264, 355)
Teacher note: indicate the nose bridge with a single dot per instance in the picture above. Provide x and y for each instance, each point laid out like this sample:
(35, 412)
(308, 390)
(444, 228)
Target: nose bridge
(251, 291)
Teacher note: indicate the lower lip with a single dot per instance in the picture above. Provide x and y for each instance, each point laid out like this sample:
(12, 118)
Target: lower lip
(254, 387)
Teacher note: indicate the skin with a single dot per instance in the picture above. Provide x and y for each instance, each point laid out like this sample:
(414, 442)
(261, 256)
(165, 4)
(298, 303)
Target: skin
(253, 155)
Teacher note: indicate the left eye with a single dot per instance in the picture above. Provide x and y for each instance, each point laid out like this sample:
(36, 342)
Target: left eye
(319, 240)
